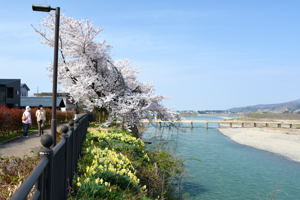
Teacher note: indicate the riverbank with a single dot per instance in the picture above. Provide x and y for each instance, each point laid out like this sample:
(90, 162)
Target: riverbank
(285, 142)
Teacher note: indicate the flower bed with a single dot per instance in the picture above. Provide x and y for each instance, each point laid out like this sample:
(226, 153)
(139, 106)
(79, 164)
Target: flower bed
(115, 165)
(104, 171)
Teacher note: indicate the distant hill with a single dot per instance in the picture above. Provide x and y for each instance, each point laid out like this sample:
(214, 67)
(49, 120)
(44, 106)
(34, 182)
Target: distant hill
(288, 107)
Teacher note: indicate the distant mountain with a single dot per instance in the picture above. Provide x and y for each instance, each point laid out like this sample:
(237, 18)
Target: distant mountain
(288, 107)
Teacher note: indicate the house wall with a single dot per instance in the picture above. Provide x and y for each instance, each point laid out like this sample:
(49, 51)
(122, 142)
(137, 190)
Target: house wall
(10, 93)
(2, 95)
(68, 105)
(24, 92)
(13, 97)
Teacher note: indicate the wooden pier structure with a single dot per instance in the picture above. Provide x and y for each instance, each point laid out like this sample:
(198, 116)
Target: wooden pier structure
(230, 123)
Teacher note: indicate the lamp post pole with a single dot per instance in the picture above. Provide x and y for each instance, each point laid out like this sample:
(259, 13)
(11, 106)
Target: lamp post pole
(54, 87)
(47, 8)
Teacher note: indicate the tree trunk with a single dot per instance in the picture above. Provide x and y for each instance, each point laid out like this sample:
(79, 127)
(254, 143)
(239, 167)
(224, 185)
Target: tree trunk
(134, 130)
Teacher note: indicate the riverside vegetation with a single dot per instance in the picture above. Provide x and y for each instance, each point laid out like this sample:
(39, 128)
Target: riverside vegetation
(116, 165)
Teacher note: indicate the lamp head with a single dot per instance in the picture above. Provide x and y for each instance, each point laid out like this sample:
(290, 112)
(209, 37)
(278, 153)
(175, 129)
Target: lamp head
(41, 8)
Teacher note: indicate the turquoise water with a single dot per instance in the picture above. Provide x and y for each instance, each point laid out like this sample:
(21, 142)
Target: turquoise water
(228, 170)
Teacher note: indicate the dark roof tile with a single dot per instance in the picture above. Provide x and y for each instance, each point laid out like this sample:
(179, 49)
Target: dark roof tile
(36, 101)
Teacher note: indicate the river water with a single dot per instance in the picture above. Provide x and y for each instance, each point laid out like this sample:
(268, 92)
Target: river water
(220, 169)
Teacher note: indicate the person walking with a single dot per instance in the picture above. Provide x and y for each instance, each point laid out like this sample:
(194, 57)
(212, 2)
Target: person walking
(26, 121)
(41, 118)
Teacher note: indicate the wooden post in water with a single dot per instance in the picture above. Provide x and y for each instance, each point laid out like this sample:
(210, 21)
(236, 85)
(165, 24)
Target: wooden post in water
(254, 124)
(230, 124)
(291, 125)
(242, 124)
(278, 125)
(206, 125)
(267, 125)
(191, 124)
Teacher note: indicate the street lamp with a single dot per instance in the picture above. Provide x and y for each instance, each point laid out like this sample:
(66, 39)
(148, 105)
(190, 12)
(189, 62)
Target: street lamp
(47, 8)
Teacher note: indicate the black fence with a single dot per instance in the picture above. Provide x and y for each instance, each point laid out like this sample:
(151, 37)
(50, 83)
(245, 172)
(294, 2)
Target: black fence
(53, 175)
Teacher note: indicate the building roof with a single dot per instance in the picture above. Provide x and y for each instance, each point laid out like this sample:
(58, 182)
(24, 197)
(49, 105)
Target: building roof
(47, 94)
(25, 86)
(45, 101)
(7, 81)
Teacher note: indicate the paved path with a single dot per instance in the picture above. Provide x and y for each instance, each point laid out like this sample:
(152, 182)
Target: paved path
(23, 146)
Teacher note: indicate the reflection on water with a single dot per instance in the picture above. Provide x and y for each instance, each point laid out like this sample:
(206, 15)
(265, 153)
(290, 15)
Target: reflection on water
(227, 170)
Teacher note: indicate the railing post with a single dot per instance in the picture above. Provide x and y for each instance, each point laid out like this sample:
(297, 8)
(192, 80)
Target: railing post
(65, 130)
(40, 185)
(47, 193)
(72, 152)
(81, 132)
(77, 139)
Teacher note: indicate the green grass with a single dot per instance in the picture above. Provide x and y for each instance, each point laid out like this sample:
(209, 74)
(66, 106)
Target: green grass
(8, 137)
(14, 135)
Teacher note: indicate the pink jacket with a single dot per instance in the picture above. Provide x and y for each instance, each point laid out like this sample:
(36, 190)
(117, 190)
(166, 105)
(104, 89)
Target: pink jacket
(28, 116)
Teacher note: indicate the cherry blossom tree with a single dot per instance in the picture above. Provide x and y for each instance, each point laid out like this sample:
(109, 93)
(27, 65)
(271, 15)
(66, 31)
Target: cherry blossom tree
(93, 79)
(139, 101)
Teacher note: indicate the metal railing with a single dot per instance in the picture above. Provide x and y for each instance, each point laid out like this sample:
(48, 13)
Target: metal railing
(52, 176)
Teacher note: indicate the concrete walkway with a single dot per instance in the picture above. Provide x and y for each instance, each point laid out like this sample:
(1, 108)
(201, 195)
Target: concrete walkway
(23, 146)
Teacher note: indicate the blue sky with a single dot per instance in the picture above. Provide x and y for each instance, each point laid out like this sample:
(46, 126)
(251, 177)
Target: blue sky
(199, 54)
